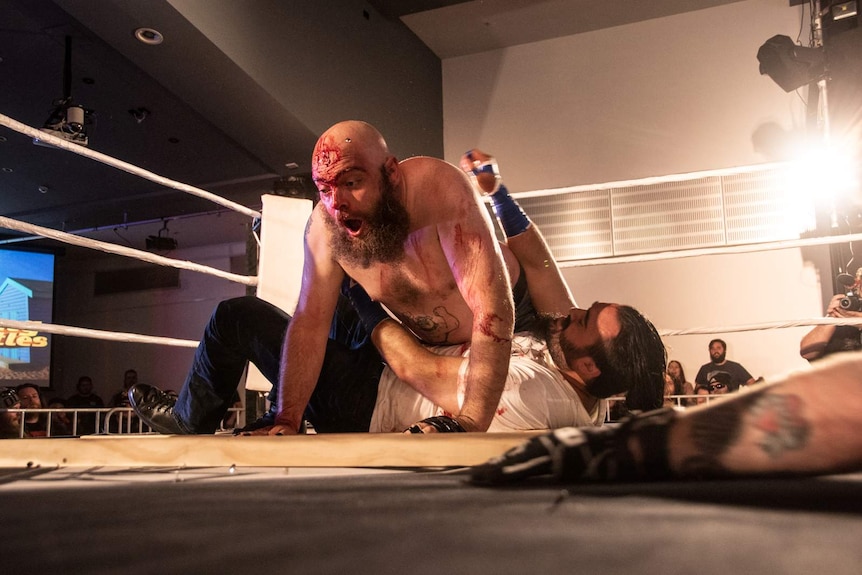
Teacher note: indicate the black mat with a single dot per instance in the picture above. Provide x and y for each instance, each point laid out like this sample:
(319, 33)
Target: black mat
(418, 523)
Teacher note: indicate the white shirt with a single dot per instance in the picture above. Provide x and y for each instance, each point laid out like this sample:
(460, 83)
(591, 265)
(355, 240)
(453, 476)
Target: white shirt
(535, 395)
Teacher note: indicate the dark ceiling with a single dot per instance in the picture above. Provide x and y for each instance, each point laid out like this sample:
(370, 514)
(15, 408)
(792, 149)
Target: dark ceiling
(233, 100)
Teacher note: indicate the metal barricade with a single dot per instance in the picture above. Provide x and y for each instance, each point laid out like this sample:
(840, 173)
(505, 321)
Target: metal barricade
(108, 420)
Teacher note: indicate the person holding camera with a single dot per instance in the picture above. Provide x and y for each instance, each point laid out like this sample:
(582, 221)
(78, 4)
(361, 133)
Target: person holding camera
(825, 340)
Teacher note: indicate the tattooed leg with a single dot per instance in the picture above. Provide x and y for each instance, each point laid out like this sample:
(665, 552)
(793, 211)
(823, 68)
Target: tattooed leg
(806, 423)
(809, 423)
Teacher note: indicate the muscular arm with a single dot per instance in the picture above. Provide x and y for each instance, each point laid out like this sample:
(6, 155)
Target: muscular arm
(814, 344)
(548, 290)
(477, 265)
(305, 341)
(434, 376)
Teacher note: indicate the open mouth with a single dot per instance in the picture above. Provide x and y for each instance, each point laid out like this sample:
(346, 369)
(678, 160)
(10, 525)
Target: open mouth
(352, 225)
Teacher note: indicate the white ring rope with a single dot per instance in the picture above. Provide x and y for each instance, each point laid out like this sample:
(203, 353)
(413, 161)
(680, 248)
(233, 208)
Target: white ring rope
(95, 333)
(123, 251)
(760, 326)
(740, 249)
(121, 165)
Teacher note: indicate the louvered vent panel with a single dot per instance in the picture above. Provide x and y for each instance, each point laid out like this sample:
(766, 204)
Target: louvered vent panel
(576, 225)
(667, 216)
(761, 206)
(707, 211)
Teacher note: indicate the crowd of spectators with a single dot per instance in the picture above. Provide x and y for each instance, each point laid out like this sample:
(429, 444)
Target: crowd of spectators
(62, 423)
(61, 415)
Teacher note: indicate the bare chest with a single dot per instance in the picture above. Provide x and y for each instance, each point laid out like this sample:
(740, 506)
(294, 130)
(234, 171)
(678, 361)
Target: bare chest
(421, 290)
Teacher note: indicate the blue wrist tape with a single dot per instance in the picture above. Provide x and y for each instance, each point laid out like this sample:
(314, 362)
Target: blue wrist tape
(512, 218)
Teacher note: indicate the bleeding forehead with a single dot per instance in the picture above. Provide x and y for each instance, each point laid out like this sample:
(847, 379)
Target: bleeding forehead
(339, 150)
(330, 156)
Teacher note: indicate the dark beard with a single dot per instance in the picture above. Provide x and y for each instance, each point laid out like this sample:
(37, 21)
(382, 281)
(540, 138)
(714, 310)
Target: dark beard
(720, 359)
(542, 326)
(383, 238)
(547, 329)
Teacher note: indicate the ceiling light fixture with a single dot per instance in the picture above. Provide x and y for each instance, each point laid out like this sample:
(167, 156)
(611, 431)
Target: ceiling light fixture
(161, 243)
(149, 36)
(67, 119)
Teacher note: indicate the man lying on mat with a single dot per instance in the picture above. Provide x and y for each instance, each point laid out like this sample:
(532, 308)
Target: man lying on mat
(606, 350)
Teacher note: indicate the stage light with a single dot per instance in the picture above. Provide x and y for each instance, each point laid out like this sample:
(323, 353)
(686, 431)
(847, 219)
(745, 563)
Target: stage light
(827, 173)
(789, 65)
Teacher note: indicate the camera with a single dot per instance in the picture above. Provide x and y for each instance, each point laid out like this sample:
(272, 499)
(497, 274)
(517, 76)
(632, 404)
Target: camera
(851, 301)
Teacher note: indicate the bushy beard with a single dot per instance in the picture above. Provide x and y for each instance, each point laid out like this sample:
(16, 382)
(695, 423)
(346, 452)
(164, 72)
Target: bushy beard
(384, 234)
(720, 359)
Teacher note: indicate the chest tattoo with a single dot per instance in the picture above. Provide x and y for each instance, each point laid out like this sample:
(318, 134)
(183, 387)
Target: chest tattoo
(434, 328)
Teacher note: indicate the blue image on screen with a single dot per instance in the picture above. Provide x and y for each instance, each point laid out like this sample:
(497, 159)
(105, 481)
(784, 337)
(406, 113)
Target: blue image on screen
(26, 294)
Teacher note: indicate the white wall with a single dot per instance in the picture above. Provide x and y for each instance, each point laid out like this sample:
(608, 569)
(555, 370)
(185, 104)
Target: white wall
(666, 96)
(177, 313)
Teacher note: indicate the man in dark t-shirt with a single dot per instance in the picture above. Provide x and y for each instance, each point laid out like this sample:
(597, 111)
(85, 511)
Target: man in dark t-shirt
(718, 353)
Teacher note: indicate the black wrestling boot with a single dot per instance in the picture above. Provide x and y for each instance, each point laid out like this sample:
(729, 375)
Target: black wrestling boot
(155, 408)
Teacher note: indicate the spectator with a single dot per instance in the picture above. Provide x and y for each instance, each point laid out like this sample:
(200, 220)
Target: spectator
(681, 386)
(719, 362)
(668, 392)
(701, 391)
(719, 383)
(36, 424)
(10, 422)
(121, 398)
(85, 398)
(61, 424)
(824, 340)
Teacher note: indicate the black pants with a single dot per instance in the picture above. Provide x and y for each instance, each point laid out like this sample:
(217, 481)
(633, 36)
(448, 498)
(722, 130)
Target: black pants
(249, 329)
